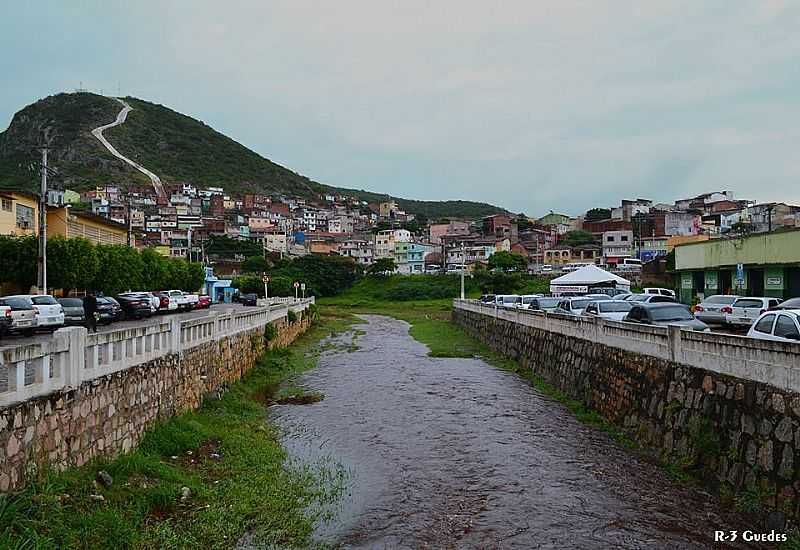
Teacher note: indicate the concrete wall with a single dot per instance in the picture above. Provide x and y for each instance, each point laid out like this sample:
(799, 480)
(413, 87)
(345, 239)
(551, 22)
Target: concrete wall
(107, 413)
(733, 430)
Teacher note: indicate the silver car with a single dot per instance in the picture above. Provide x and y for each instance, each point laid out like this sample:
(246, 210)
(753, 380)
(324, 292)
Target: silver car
(710, 309)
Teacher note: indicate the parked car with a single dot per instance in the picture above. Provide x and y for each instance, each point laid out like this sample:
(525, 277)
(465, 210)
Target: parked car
(744, 311)
(525, 300)
(73, 311)
(594, 296)
(166, 304)
(49, 313)
(204, 301)
(545, 303)
(134, 305)
(248, 299)
(506, 300)
(613, 310)
(575, 305)
(710, 309)
(791, 303)
(152, 300)
(180, 300)
(651, 299)
(546, 269)
(609, 291)
(661, 291)
(191, 300)
(487, 298)
(779, 326)
(5, 320)
(108, 310)
(664, 314)
(23, 316)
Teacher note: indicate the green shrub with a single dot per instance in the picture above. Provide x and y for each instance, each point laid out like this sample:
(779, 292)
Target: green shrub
(270, 332)
(291, 316)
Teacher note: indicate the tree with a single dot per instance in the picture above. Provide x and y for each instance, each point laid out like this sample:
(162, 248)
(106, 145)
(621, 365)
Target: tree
(71, 263)
(382, 267)
(255, 264)
(507, 261)
(121, 269)
(18, 260)
(596, 214)
(155, 269)
(577, 238)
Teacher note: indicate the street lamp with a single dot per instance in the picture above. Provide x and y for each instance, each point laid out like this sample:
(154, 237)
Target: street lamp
(296, 286)
(265, 278)
(303, 289)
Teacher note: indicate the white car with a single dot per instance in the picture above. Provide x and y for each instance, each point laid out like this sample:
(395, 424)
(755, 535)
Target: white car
(778, 326)
(575, 305)
(710, 309)
(192, 300)
(525, 300)
(613, 310)
(660, 291)
(744, 311)
(506, 300)
(178, 298)
(49, 313)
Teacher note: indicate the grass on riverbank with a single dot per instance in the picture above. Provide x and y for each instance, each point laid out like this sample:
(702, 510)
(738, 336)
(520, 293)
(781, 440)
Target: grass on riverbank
(246, 488)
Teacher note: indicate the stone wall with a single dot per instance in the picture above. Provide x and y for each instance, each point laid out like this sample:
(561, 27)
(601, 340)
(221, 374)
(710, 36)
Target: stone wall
(108, 415)
(729, 431)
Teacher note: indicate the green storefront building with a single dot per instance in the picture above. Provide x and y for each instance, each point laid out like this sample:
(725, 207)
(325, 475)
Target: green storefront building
(766, 264)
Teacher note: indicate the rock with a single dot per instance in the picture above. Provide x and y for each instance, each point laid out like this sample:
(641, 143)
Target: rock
(786, 468)
(776, 521)
(708, 384)
(751, 452)
(214, 456)
(97, 498)
(104, 478)
(748, 425)
(765, 456)
(784, 430)
(778, 403)
(796, 406)
(765, 428)
(739, 392)
(185, 494)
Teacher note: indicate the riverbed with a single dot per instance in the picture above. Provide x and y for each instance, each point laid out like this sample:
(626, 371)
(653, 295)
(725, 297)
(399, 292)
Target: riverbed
(455, 453)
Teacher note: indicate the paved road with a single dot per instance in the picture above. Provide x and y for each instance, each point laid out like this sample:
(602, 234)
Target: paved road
(122, 116)
(15, 340)
(453, 453)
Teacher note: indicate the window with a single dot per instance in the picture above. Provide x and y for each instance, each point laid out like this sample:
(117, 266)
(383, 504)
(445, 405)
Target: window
(24, 217)
(624, 238)
(661, 300)
(6, 205)
(745, 303)
(610, 238)
(765, 324)
(786, 328)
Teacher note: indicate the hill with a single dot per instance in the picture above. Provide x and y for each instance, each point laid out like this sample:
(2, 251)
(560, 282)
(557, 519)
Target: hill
(176, 147)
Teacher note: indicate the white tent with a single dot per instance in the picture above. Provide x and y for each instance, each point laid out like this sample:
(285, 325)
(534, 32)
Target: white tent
(580, 281)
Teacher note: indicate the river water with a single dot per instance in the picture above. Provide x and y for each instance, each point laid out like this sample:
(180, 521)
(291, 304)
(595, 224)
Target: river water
(454, 453)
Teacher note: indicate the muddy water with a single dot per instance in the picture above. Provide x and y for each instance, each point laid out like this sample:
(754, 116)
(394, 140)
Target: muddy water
(453, 453)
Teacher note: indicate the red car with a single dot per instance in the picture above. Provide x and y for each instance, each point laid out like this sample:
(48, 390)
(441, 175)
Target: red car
(204, 302)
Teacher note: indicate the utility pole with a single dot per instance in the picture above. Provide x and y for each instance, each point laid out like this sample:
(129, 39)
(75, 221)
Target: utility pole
(42, 259)
(463, 265)
(130, 223)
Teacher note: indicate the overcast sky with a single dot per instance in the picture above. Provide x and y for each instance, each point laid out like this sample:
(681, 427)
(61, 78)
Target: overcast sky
(530, 105)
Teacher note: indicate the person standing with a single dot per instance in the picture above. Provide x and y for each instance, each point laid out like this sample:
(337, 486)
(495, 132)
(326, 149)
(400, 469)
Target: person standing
(89, 310)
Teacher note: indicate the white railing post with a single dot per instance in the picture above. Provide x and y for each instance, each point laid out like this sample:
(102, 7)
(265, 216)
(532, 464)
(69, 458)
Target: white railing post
(76, 362)
(674, 339)
(175, 336)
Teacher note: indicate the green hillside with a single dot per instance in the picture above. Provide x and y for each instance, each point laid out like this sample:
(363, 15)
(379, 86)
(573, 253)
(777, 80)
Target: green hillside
(176, 147)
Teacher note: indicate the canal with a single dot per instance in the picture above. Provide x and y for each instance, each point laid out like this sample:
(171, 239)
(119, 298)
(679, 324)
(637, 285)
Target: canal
(454, 453)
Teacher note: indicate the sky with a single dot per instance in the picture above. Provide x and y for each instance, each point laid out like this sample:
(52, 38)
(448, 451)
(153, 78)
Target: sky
(531, 105)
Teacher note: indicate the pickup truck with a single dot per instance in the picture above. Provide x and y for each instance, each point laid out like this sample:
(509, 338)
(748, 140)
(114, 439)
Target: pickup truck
(192, 301)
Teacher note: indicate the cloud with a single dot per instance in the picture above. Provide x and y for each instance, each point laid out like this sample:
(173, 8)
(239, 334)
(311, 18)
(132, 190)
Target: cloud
(532, 105)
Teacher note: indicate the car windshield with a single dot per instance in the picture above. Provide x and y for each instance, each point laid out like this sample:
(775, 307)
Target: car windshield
(16, 303)
(614, 307)
(509, 299)
(639, 297)
(547, 302)
(71, 302)
(720, 299)
(580, 304)
(44, 300)
(671, 313)
(791, 303)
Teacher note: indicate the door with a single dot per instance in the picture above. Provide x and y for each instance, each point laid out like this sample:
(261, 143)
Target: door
(792, 282)
(756, 280)
(726, 281)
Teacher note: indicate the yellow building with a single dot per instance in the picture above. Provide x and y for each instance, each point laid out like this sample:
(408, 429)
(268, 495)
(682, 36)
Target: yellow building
(19, 213)
(70, 223)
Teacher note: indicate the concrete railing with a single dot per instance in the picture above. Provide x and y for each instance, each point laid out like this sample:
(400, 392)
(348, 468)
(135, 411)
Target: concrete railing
(775, 363)
(73, 356)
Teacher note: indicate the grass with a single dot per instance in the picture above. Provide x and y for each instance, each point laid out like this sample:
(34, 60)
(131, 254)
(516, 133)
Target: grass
(226, 454)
